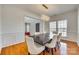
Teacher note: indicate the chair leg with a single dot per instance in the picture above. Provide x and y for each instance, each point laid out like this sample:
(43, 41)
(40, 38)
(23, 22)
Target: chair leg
(28, 53)
(55, 49)
(46, 49)
(52, 51)
(43, 52)
(58, 44)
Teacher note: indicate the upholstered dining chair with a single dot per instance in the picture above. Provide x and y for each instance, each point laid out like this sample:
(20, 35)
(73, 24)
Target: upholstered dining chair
(52, 45)
(34, 48)
(59, 39)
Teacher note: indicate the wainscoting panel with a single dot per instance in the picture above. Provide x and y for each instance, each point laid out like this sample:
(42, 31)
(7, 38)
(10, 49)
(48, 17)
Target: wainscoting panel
(12, 38)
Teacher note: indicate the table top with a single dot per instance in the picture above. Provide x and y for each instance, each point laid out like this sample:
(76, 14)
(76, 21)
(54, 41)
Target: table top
(42, 38)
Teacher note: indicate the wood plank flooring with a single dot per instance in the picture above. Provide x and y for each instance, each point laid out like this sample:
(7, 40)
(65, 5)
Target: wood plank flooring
(18, 49)
(67, 48)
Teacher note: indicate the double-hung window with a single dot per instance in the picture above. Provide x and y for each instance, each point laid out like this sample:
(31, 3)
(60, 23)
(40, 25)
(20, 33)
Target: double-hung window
(62, 27)
(52, 26)
(59, 26)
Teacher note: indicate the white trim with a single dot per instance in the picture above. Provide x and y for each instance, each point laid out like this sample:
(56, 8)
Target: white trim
(77, 43)
(12, 44)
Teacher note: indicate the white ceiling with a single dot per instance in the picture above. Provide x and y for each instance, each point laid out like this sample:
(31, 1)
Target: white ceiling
(53, 9)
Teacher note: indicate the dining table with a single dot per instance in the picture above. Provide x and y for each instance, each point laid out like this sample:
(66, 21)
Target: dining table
(43, 38)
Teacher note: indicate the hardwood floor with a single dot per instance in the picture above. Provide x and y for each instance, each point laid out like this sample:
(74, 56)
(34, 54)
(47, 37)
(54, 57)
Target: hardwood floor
(67, 48)
(18, 49)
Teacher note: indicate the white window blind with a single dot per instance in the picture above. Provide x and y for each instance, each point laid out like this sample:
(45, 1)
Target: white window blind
(62, 27)
(52, 26)
(59, 26)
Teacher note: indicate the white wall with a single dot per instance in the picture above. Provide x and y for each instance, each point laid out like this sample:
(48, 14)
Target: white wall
(0, 28)
(78, 29)
(47, 26)
(33, 22)
(13, 27)
(71, 17)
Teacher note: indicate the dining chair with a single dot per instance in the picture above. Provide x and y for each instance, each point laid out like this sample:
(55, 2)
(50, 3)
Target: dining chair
(52, 45)
(34, 48)
(59, 39)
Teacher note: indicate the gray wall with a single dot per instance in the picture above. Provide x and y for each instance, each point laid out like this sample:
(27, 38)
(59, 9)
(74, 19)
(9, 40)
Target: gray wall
(71, 17)
(0, 28)
(13, 27)
(13, 24)
(78, 29)
(32, 22)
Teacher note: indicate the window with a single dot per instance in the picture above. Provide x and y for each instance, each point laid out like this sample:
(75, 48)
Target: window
(62, 27)
(52, 26)
(37, 27)
(59, 26)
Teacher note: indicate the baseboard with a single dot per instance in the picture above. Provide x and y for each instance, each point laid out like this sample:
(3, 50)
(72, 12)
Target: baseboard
(12, 44)
(77, 43)
(69, 41)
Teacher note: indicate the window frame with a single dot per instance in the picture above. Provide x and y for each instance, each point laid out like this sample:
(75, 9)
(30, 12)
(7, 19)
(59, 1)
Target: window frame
(62, 27)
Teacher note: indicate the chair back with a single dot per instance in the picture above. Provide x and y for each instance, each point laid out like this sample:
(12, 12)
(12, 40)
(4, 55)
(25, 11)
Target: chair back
(30, 44)
(59, 37)
(54, 41)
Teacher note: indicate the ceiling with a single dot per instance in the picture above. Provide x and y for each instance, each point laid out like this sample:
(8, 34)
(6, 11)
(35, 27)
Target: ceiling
(53, 9)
